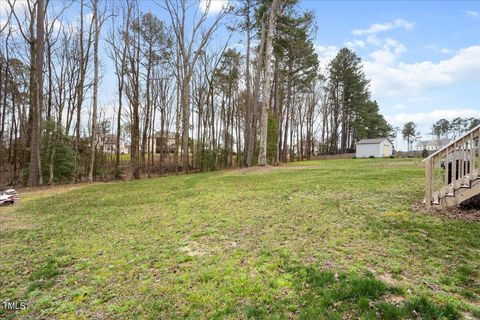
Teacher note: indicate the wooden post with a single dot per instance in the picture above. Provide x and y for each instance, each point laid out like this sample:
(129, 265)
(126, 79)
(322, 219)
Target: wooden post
(445, 179)
(428, 182)
(454, 166)
(472, 156)
(465, 162)
(477, 147)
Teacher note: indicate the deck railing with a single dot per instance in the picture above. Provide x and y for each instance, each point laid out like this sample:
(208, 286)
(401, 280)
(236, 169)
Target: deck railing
(452, 167)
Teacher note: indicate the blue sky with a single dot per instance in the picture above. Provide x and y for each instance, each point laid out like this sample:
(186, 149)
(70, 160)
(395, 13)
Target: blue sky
(423, 57)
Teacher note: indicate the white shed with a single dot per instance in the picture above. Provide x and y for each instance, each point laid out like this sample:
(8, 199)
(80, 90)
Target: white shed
(378, 148)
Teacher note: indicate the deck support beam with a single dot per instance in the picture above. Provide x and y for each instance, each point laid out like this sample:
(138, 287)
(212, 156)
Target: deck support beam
(428, 182)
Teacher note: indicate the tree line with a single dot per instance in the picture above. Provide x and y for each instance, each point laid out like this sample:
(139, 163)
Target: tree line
(441, 129)
(454, 128)
(254, 97)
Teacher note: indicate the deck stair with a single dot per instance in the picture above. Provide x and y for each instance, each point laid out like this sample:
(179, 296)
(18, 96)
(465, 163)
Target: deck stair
(452, 174)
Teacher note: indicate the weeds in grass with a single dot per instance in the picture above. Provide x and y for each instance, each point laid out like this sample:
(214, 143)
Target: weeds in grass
(328, 240)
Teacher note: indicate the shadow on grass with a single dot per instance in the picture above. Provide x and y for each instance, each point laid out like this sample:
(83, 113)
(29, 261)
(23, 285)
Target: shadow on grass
(335, 296)
(312, 293)
(327, 295)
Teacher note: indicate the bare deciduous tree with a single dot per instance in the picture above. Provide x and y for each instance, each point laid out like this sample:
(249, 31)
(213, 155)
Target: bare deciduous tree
(190, 48)
(262, 152)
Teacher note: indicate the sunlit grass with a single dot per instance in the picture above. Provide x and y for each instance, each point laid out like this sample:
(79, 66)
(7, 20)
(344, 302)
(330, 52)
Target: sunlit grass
(313, 240)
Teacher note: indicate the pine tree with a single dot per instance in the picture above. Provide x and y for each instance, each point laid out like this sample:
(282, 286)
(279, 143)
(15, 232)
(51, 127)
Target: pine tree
(409, 133)
(349, 98)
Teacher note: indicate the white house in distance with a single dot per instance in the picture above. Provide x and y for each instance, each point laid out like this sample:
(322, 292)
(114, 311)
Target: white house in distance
(108, 143)
(378, 148)
(165, 142)
(432, 145)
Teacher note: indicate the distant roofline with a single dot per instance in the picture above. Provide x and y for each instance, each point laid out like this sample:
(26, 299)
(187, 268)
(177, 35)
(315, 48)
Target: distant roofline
(374, 141)
(434, 142)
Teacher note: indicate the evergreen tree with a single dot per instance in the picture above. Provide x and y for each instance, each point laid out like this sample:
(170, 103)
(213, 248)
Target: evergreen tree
(472, 123)
(410, 133)
(353, 115)
(441, 128)
(227, 76)
(295, 74)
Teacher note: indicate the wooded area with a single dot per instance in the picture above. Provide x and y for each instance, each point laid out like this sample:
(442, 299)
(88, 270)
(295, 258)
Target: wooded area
(264, 100)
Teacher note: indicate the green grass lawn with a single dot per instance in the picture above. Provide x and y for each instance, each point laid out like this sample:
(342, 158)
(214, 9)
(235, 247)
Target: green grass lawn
(333, 239)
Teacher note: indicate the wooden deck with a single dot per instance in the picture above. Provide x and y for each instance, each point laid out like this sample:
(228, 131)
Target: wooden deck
(452, 174)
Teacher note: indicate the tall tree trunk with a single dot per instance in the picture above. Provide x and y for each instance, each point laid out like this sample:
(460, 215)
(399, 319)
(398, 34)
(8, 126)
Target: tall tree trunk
(35, 172)
(254, 103)
(287, 119)
(83, 63)
(93, 141)
(146, 125)
(248, 95)
(119, 126)
(279, 112)
(121, 84)
(177, 124)
(135, 63)
(185, 96)
(262, 155)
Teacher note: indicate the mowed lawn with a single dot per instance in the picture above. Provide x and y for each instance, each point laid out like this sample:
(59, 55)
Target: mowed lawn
(334, 239)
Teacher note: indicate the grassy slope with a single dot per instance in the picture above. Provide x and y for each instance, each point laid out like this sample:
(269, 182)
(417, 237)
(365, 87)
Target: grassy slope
(311, 240)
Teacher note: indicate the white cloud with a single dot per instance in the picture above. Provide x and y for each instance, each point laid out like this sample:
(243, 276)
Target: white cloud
(389, 52)
(57, 26)
(355, 44)
(4, 9)
(373, 39)
(382, 27)
(435, 48)
(471, 13)
(427, 118)
(213, 6)
(383, 57)
(20, 8)
(325, 54)
(391, 78)
(398, 106)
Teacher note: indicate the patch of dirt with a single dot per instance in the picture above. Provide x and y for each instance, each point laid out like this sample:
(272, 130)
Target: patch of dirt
(48, 190)
(468, 315)
(388, 279)
(10, 223)
(194, 249)
(472, 215)
(257, 169)
(394, 299)
(301, 167)
(384, 277)
(397, 164)
(260, 169)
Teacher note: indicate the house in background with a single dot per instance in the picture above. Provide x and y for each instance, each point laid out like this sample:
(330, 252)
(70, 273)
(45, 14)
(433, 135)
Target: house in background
(108, 143)
(378, 148)
(165, 142)
(432, 145)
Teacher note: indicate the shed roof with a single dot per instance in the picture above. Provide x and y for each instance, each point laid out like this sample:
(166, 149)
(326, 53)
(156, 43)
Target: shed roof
(372, 141)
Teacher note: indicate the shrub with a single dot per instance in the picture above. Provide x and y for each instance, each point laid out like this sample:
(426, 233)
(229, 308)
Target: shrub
(424, 153)
(271, 137)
